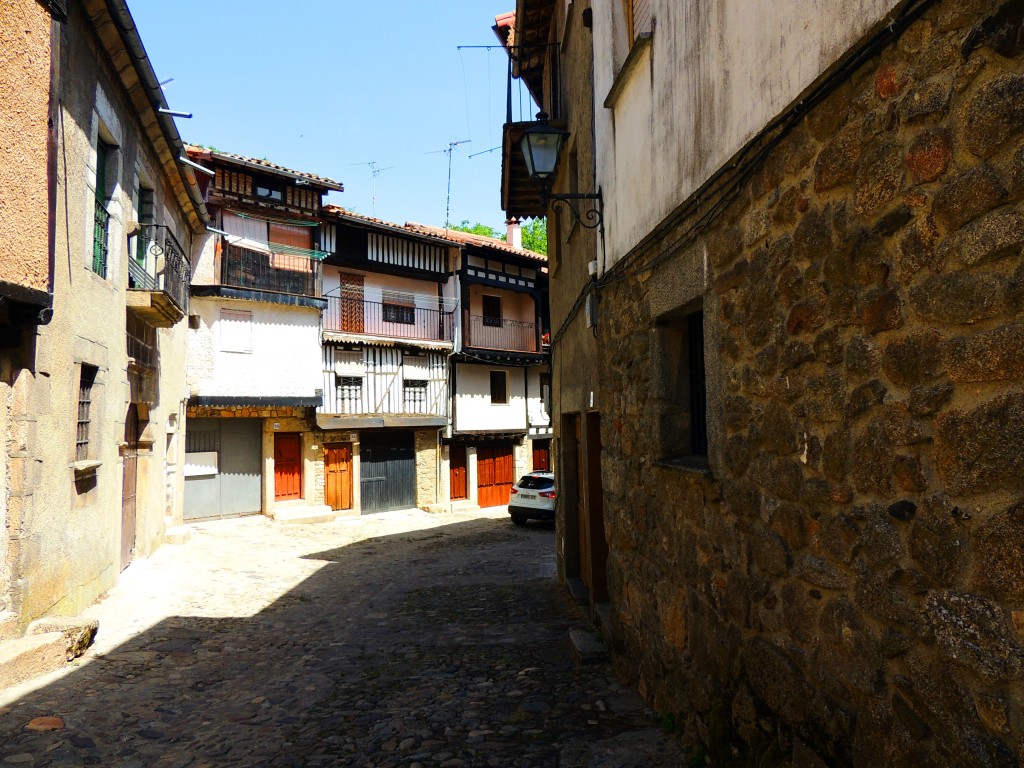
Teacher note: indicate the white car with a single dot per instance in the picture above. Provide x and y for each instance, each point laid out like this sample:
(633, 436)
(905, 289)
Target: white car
(533, 498)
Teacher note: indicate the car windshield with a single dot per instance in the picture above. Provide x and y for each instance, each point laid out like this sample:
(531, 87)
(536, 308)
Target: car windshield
(536, 483)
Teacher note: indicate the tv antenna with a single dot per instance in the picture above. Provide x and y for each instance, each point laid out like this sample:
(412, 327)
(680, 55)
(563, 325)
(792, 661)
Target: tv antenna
(448, 151)
(375, 172)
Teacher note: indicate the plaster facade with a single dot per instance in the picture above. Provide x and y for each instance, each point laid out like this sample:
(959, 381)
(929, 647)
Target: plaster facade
(474, 411)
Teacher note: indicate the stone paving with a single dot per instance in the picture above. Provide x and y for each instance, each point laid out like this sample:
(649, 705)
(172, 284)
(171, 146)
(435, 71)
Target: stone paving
(402, 639)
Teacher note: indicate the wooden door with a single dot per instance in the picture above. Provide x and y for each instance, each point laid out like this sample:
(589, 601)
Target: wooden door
(287, 466)
(494, 468)
(598, 544)
(352, 315)
(338, 471)
(129, 483)
(581, 506)
(542, 455)
(457, 463)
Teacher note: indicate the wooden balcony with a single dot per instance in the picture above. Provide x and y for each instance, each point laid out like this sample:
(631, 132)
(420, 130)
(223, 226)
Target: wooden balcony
(402, 319)
(481, 332)
(282, 272)
(158, 278)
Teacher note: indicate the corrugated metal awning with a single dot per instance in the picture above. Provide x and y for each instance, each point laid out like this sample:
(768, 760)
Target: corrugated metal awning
(378, 341)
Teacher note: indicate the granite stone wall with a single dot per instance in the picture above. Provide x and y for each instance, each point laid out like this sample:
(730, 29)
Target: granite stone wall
(844, 584)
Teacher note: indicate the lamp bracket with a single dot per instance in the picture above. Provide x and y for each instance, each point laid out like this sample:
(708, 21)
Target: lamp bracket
(589, 216)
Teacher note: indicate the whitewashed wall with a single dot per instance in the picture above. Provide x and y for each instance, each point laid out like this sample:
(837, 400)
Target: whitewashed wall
(534, 402)
(473, 409)
(284, 359)
(716, 73)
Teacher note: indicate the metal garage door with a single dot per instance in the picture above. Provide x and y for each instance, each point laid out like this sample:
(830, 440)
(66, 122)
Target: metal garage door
(387, 470)
(222, 460)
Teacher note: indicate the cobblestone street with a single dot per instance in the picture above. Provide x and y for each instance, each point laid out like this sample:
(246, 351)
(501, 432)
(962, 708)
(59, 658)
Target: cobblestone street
(402, 639)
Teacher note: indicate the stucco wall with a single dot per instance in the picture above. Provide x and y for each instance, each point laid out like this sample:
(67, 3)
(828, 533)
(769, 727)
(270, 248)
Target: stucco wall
(474, 411)
(285, 351)
(24, 109)
(514, 304)
(715, 74)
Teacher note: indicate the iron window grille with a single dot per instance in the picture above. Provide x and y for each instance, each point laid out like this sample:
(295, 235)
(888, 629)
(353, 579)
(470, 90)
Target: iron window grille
(85, 384)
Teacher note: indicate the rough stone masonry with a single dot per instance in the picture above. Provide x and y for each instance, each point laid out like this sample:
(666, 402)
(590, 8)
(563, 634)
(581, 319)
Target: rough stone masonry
(845, 586)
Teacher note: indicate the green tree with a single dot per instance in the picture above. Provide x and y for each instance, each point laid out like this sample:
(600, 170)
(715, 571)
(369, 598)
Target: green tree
(476, 229)
(535, 236)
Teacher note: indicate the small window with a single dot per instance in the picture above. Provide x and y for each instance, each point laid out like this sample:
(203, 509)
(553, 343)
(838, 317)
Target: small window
(415, 395)
(545, 393)
(235, 331)
(83, 447)
(638, 18)
(268, 190)
(499, 387)
(683, 418)
(350, 393)
(492, 310)
(398, 313)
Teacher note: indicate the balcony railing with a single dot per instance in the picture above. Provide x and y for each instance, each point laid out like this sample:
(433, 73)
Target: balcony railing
(353, 314)
(495, 333)
(160, 265)
(270, 271)
(100, 238)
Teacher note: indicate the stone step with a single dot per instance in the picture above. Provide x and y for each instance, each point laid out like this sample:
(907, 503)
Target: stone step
(587, 647)
(9, 626)
(78, 632)
(178, 534)
(305, 515)
(23, 658)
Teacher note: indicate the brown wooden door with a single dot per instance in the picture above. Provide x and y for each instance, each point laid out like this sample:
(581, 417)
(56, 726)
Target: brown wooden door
(129, 484)
(352, 319)
(494, 479)
(457, 472)
(287, 466)
(338, 471)
(542, 455)
(598, 544)
(581, 506)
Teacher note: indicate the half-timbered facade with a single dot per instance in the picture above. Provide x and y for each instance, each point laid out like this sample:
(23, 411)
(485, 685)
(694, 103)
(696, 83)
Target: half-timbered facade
(254, 342)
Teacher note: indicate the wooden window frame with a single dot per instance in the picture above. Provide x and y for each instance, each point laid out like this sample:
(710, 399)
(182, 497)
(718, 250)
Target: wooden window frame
(504, 398)
(491, 320)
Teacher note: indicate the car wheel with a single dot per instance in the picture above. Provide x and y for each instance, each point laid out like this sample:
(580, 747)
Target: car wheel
(518, 519)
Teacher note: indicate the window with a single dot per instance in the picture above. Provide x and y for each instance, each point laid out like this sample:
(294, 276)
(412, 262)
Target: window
(415, 395)
(545, 393)
(268, 190)
(87, 378)
(398, 313)
(492, 310)
(146, 216)
(683, 418)
(499, 387)
(235, 331)
(638, 18)
(350, 393)
(106, 174)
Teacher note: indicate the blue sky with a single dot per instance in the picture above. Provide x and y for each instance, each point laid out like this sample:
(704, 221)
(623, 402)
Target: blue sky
(323, 85)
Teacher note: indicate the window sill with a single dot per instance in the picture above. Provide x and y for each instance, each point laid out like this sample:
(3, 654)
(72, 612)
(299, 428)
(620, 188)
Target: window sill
(86, 466)
(692, 464)
(641, 44)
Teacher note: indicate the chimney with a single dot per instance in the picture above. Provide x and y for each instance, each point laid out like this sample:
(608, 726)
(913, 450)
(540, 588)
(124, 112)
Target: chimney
(514, 233)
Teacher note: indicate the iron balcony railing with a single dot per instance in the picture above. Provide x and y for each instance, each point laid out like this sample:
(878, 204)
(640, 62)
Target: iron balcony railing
(353, 314)
(270, 271)
(100, 238)
(159, 264)
(495, 333)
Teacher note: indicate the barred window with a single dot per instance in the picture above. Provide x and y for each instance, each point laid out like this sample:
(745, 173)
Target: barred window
(85, 384)
(399, 313)
(350, 393)
(415, 395)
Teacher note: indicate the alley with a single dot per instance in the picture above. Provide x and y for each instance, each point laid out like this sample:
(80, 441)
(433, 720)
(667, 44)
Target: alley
(402, 639)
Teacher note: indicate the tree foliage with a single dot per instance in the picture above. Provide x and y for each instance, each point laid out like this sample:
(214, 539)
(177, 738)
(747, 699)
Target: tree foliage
(535, 233)
(476, 229)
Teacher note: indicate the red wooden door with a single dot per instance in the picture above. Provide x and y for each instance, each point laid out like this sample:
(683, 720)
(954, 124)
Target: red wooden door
(338, 471)
(457, 472)
(494, 475)
(287, 466)
(542, 455)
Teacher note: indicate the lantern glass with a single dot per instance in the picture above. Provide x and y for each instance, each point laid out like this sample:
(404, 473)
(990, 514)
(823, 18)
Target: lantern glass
(541, 145)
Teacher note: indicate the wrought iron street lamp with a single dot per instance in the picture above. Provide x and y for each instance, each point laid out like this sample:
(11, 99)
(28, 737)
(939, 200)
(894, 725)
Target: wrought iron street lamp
(541, 145)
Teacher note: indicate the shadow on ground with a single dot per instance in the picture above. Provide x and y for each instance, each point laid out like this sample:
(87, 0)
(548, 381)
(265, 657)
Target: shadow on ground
(443, 646)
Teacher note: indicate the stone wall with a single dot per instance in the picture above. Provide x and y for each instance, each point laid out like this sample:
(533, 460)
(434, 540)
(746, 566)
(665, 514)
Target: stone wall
(427, 467)
(844, 584)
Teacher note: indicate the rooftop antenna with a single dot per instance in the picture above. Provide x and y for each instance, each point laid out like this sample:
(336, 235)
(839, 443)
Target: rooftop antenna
(375, 171)
(448, 151)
